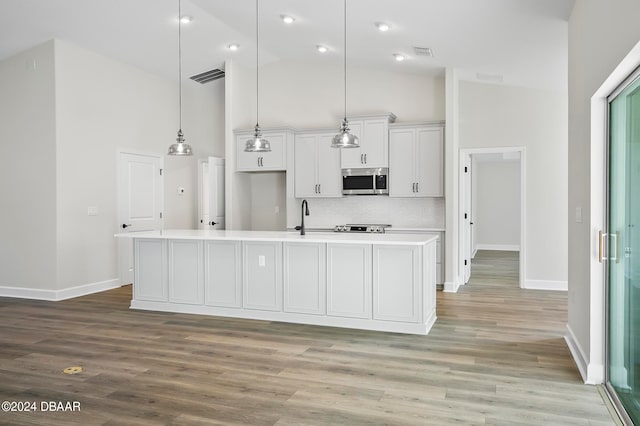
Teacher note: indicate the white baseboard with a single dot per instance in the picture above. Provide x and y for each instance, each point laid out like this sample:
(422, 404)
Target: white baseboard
(57, 295)
(451, 287)
(592, 374)
(498, 247)
(546, 285)
(577, 353)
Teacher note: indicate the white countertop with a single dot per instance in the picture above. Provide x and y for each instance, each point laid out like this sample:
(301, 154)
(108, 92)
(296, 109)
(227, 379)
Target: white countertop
(311, 237)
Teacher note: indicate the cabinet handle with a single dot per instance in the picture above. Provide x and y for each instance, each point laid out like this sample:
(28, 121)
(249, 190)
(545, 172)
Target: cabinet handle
(361, 158)
(319, 188)
(316, 188)
(417, 186)
(365, 159)
(413, 188)
(261, 162)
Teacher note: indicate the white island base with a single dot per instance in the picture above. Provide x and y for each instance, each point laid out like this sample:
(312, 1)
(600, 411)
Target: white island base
(373, 282)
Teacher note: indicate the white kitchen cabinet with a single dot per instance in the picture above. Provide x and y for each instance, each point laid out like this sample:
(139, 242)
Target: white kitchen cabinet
(317, 166)
(262, 275)
(150, 277)
(416, 157)
(373, 132)
(305, 278)
(223, 274)
(349, 280)
(397, 282)
(275, 160)
(185, 271)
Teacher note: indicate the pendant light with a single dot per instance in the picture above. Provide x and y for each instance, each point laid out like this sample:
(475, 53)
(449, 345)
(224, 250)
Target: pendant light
(180, 148)
(344, 139)
(257, 143)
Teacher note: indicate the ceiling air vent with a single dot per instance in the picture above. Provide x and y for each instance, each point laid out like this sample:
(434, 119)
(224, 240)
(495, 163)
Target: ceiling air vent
(208, 76)
(423, 51)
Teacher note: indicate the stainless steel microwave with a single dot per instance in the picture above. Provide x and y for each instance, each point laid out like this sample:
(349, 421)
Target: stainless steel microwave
(365, 181)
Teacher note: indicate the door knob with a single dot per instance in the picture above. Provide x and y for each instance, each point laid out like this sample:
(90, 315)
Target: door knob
(213, 223)
(125, 225)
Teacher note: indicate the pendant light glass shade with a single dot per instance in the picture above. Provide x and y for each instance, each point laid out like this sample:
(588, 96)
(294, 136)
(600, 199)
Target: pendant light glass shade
(181, 147)
(257, 143)
(345, 139)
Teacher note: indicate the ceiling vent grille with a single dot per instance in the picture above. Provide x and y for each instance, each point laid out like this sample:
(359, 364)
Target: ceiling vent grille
(208, 76)
(423, 51)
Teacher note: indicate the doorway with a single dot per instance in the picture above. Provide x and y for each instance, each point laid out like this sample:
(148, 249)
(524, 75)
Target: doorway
(140, 203)
(492, 208)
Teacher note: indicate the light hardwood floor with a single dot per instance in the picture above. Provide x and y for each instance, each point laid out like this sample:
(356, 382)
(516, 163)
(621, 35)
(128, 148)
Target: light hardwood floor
(495, 356)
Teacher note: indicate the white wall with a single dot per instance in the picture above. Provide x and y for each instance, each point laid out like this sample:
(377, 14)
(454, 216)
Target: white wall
(302, 96)
(28, 172)
(502, 116)
(600, 35)
(496, 204)
(101, 106)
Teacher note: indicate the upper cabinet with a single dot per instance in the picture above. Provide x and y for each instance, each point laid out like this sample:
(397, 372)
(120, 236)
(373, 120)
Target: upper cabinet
(274, 160)
(317, 166)
(416, 160)
(373, 132)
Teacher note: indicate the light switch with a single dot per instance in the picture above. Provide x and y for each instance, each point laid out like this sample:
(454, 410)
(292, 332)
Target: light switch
(578, 214)
(92, 211)
(276, 209)
(262, 261)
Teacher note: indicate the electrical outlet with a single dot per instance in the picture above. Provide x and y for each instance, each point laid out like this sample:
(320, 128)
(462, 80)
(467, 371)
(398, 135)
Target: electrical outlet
(276, 209)
(92, 211)
(578, 214)
(262, 261)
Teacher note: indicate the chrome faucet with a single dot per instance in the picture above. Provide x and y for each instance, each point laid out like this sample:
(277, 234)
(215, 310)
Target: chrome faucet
(304, 212)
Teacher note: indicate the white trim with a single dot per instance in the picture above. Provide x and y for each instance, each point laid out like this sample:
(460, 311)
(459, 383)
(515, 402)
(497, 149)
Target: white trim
(58, 295)
(498, 247)
(599, 141)
(577, 352)
(523, 202)
(325, 320)
(451, 287)
(546, 285)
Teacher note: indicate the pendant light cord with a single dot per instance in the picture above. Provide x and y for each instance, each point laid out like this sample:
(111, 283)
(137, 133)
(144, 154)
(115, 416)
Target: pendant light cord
(180, 61)
(345, 59)
(257, 65)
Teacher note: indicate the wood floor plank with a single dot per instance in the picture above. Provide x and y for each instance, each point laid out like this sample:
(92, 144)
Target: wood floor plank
(495, 356)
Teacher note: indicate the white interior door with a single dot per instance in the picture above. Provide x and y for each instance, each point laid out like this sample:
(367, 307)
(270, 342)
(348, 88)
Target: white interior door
(216, 193)
(466, 217)
(140, 203)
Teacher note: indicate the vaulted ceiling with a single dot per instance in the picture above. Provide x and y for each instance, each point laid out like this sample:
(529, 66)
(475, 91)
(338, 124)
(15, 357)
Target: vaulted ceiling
(516, 42)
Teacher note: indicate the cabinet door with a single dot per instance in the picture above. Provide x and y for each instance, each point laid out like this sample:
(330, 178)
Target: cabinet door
(328, 167)
(262, 275)
(305, 278)
(216, 187)
(402, 161)
(353, 158)
(223, 273)
(150, 278)
(245, 161)
(396, 283)
(305, 166)
(349, 280)
(276, 158)
(376, 143)
(186, 282)
(429, 152)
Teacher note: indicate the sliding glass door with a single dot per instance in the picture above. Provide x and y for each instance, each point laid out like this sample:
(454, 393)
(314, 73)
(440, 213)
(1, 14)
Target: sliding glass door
(622, 250)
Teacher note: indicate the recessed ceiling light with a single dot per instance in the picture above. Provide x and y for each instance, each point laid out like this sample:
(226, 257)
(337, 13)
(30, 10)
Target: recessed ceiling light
(399, 57)
(233, 46)
(185, 19)
(321, 48)
(287, 19)
(382, 26)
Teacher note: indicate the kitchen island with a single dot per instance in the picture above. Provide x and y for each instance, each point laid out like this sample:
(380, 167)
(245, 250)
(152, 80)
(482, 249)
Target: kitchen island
(382, 282)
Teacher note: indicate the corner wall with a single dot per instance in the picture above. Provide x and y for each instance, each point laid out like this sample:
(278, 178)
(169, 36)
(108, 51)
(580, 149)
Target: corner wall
(28, 174)
(600, 36)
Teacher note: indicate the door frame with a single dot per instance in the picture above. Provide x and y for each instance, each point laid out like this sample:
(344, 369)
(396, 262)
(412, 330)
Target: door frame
(463, 191)
(121, 241)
